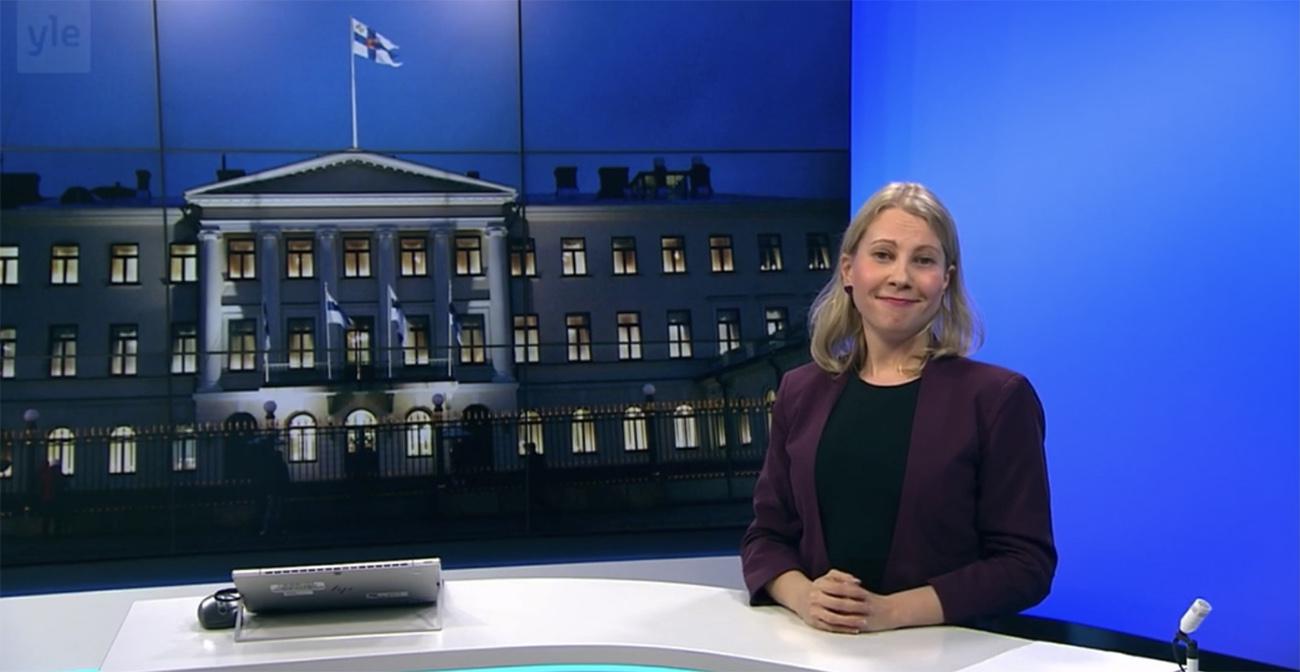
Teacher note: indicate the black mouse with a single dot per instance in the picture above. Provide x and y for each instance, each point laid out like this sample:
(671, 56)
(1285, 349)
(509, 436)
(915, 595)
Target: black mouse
(219, 609)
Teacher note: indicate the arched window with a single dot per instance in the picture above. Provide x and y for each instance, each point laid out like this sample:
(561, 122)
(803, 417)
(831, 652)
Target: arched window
(530, 432)
(419, 433)
(583, 432)
(769, 399)
(61, 445)
(185, 449)
(121, 451)
(634, 429)
(302, 438)
(361, 430)
(685, 432)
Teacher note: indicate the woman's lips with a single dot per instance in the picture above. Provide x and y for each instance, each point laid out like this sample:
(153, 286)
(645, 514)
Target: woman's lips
(897, 302)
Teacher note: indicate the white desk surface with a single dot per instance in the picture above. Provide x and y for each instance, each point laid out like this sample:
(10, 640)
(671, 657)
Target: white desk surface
(521, 615)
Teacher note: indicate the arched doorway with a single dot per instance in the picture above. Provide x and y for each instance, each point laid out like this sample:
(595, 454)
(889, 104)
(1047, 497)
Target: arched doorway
(239, 458)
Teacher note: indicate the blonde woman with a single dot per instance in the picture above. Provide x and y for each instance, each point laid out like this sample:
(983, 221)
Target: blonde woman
(904, 484)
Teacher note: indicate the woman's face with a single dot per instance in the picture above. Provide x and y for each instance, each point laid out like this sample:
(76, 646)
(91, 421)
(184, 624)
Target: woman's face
(898, 274)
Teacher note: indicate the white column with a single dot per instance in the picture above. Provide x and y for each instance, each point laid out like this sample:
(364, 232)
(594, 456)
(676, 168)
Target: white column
(327, 273)
(211, 330)
(498, 270)
(268, 274)
(442, 267)
(386, 271)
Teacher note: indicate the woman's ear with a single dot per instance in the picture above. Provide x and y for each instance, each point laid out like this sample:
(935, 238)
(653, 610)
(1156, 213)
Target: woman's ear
(846, 270)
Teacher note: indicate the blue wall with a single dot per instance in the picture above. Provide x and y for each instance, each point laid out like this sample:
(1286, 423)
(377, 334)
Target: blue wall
(1125, 179)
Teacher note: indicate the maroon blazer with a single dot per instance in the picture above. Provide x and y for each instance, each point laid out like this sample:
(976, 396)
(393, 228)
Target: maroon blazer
(974, 517)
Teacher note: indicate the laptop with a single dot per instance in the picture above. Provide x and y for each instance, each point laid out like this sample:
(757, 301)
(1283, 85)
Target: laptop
(342, 586)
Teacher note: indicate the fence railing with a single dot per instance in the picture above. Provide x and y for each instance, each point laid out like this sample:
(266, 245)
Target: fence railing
(663, 437)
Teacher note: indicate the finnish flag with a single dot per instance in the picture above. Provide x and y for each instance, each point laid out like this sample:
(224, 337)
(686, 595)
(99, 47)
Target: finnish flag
(396, 316)
(372, 46)
(334, 312)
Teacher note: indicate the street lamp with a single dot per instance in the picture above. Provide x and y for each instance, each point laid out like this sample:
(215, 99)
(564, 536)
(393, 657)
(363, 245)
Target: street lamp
(649, 391)
(438, 400)
(30, 416)
(270, 407)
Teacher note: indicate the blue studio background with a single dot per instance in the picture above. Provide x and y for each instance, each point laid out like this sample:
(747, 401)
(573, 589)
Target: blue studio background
(1125, 177)
(1125, 180)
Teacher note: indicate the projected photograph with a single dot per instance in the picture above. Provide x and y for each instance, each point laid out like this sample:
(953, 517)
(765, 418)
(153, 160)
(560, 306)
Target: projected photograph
(275, 273)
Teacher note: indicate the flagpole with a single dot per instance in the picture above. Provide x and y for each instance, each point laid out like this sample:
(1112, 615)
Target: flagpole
(449, 325)
(390, 332)
(352, 62)
(329, 348)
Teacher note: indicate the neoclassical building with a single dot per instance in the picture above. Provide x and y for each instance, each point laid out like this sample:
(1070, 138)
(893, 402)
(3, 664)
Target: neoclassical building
(355, 288)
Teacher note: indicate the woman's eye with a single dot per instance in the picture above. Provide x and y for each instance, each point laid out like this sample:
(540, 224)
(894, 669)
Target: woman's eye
(925, 261)
(881, 255)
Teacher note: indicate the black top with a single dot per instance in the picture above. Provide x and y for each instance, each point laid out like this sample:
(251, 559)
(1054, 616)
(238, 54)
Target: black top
(859, 475)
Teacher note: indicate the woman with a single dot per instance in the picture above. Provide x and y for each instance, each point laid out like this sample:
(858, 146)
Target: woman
(904, 484)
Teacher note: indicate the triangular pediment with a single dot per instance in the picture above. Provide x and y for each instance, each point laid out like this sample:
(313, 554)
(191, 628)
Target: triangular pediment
(362, 174)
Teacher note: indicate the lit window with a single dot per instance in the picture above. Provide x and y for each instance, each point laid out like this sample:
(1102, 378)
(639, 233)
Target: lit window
(356, 257)
(573, 256)
(469, 255)
(530, 434)
(674, 254)
(419, 433)
(8, 352)
(124, 350)
(415, 345)
(685, 432)
(300, 258)
(578, 327)
(184, 263)
(415, 257)
(8, 265)
(302, 438)
(64, 264)
(523, 259)
(185, 449)
(634, 430)
(185, 348)
(241, 259)
(302, 343)
(121, 451)
(473, 347)
(679, 334)
(629, 335)
(61, 447)
(769, 253)
(624, 248)
(819, 252)
(728, 330)
(527, 339)
(357, 338)
(63, 351)
(124, 264)
(583, 432)
(721, 255)
(242, 337)
(776, 319)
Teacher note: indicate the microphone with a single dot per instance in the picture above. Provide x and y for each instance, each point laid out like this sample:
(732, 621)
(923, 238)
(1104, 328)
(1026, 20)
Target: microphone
(1192, 619)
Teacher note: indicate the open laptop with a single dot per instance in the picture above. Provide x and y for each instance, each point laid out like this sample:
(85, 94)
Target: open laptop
(343, 586)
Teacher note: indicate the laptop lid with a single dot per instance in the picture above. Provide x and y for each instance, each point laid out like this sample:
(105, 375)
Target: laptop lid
(341, 586)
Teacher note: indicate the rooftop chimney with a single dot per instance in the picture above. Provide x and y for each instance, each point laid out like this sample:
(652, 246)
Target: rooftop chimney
(701, 186)
(613, 182)
(566, 181)
(18, 189)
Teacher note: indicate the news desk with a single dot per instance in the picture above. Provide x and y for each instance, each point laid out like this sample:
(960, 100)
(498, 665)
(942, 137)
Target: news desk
(600, 615)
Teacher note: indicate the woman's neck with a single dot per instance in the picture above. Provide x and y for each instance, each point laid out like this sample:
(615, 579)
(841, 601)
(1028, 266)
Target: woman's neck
(889, 363)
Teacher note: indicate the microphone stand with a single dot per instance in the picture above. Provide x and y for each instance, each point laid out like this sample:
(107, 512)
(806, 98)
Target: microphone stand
(1193, 652)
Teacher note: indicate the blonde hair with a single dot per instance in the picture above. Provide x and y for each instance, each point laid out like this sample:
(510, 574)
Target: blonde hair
(837, 341)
